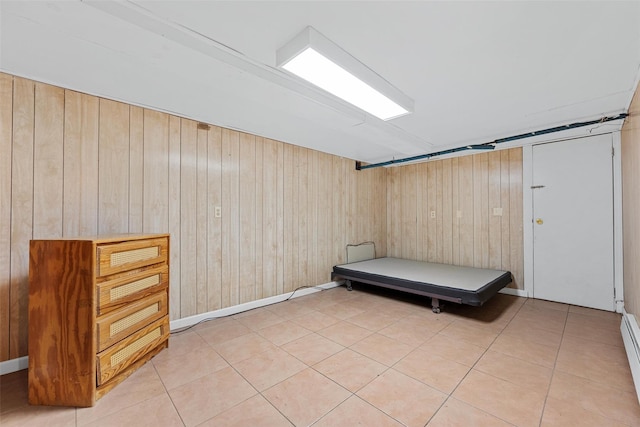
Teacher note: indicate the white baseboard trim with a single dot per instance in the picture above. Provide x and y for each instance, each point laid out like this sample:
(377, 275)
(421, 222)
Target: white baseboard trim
(228, 311)
(631, 338)
(14, 365)
(515, 292)
(21, 363)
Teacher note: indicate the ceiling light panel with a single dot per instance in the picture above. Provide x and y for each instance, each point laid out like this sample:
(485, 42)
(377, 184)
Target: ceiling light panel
(314, 58)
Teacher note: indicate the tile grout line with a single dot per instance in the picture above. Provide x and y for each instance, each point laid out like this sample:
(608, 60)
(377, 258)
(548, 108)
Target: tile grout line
(553, 370)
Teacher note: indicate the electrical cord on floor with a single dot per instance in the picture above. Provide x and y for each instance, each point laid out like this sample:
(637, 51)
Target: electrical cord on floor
(186, 328)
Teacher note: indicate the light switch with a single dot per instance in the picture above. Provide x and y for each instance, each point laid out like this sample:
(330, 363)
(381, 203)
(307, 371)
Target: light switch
(217, 212)
(497, 211)
(433, 214)
(459, 214)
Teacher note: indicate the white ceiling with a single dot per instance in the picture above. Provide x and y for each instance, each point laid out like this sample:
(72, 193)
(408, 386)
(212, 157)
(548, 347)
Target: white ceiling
(476, 70)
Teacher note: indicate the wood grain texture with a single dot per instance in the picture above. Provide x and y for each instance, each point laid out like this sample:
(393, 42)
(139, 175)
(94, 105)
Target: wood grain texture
(138, 169)
(174, 213)
(71, 346)
(246, 207)
(188, 217)
(113, 168)
(80, 209)
(6, 132)
(129, 169)
(62, 368)
(453, 207)
(630, 156)
(201, 219)
(21, 211)
(214, 224)
(48, 161)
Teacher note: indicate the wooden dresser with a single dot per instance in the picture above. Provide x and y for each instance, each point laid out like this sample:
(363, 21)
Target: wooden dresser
(98, 310)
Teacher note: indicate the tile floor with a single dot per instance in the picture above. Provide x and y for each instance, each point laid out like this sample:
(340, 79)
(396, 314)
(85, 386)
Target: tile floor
(371, 358)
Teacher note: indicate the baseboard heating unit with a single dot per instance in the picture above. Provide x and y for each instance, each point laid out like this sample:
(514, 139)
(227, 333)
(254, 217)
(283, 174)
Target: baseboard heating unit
(631, 337)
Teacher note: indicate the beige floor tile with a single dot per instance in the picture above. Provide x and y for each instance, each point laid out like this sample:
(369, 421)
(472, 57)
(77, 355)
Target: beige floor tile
(253, 412)
(530, 351)
(243, 347)
(373, 320)
(605, 401)
(315, 321)
(403, 398)
(269, 368)
(522, 328)
(345, 333)
(13, 391)
(341, 311)
(597, 313)
(455, 413)
(516, 371)
(540, 303)
(39, 416)
(543, 318)
(181, 344)
(471, 334)
(157, 411)
(401, 309)
(603, 364)
(217, 333)
(258, 319)
(356, 412)
(140, 386)
(306, 397)
(559, 413)
(350, 369)
(438, 372)
(451, 349)
(550, 365)
(382, 349)
(288, 309)
(177, 370)
(312, 348)
(513, 403)
(210, 395)
(408, 331)
(428, 321)
(282, 333)
(594, 328)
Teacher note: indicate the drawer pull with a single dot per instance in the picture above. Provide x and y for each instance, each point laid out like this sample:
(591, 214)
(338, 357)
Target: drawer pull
(133, 287)
(126, 257)
(135, 346)
(132, 319)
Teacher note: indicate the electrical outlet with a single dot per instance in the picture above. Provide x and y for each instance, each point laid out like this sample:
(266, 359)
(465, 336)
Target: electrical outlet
(433, 214)
(217, 212)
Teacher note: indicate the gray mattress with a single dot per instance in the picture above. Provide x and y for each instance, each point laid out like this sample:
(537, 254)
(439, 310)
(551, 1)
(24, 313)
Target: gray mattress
(465, 285)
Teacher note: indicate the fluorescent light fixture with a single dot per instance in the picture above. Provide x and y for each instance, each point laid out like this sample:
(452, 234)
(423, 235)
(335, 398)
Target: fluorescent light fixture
(321, 62)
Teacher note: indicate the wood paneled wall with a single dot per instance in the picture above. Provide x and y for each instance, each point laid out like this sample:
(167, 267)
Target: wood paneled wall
(630, 137)
(74, 164)
(443, 211)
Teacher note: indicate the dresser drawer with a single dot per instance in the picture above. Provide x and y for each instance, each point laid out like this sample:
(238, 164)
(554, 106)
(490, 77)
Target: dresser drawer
(123, 322)
(119, 291)
(118, 357)
(123, 256)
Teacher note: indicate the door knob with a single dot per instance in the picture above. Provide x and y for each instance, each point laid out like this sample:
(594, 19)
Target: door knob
(539, 221)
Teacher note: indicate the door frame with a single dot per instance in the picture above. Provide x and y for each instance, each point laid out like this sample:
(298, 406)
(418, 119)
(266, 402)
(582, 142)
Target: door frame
(527, 217)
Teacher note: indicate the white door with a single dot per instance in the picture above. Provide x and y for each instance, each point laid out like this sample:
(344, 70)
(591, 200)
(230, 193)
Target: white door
(573, 222)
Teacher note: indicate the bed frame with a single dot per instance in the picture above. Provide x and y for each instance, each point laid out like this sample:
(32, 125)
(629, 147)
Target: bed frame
(462, 285)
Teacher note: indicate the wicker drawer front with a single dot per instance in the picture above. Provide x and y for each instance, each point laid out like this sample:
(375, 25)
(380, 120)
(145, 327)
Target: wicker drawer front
(119, 257)
(119, 356)
(120, 291)
(121, 323)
